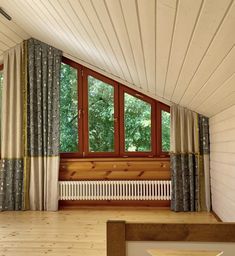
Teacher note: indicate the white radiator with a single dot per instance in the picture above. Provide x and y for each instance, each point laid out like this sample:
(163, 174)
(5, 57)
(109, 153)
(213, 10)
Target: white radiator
(115, 190)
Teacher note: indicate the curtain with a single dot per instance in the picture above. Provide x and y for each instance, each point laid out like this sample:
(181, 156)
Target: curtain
(30, 127)
(189, 161)
(12, 153)
(43, 90)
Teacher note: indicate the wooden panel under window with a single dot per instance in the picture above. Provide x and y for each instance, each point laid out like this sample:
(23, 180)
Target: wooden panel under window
(114, 169)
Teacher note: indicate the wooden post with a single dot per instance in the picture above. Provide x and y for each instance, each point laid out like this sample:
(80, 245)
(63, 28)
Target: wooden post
(116, 244)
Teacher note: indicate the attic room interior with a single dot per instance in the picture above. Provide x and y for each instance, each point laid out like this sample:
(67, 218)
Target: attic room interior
(117, 127)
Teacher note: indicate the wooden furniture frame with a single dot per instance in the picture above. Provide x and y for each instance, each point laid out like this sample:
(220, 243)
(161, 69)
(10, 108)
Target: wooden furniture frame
(119, 232)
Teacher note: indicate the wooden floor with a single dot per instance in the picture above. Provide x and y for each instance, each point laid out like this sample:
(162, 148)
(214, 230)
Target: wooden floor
(76, 232)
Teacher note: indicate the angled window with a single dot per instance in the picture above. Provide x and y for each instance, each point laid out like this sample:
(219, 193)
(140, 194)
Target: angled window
(101, 118)
(137, 130)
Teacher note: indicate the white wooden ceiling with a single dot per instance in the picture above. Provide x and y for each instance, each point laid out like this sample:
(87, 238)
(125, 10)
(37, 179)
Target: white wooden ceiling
(180, 51)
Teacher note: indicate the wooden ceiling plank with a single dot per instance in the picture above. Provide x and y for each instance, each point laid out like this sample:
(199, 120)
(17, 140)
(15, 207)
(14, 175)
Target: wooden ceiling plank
(104, 17)
(224, 72)
(119, 25)
(106, 53)
(147, 23)
(15, 28)
(3, 46)
(58, 32)
(165, 23)
(219, 98)
(131, 22)
(82, 29)
(198, 55)
(101, 34)
(60, 21)
(212, 16)
(187, 18)
(11, 34)
(36, 26)
(228, 114)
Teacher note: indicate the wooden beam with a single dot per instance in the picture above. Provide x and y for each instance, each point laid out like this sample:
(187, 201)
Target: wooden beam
(114, 169)
(74, 204)
(218, 232)
(116, 244)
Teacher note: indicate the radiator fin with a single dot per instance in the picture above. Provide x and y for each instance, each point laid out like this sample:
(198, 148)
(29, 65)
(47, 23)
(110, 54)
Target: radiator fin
(115, 190)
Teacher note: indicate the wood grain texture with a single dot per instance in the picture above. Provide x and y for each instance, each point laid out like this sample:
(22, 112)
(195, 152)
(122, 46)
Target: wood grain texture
(174, 51)
(218, 232)
(114, 169)
(222, 162)
(74, 204)
(162, 252)
(116, 238)
(80, 232)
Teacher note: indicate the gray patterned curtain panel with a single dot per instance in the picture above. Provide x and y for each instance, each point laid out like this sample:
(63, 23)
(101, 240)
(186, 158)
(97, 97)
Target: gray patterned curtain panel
(30, 127)
(43, 90)
(189, 161)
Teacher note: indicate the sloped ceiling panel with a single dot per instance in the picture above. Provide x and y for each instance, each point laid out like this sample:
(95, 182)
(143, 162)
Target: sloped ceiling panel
(178, 51)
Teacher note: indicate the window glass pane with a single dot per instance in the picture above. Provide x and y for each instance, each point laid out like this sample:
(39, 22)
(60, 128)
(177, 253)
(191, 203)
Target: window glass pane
(166, 122)
(137, 123)
(68, 109)
(100, 116)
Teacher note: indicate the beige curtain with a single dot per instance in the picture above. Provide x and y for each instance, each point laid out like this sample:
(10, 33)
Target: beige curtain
(30, 127)
(189, 160)
(12, 194)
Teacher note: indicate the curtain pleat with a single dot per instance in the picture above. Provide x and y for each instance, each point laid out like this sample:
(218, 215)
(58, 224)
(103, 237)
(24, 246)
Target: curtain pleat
(43, 124)
(30, 127)
(12, 164)
(189, 160)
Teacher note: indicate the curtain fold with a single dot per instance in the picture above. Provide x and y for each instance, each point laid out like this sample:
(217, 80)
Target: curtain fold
(30, 127)
(189, 161)
(43, 89)
(12, 164)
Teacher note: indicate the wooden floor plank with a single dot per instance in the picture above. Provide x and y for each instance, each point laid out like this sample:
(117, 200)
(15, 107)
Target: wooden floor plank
(80, 232)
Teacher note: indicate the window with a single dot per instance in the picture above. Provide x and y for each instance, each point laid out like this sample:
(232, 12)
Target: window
(166, 119)
(69, 141)
(100, 117)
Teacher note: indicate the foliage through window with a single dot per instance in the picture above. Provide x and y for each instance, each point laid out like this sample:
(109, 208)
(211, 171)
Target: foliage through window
(68, 109)
(137, 124)
(99, 117)
(166, 119)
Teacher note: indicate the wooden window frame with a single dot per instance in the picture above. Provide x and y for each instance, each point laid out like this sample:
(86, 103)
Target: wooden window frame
(119, 142)
(79, 153)
(161, 107)
(144, 98)
(88, 72)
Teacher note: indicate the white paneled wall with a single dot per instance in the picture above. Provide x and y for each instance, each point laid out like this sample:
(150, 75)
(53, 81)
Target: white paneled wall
(222, 136)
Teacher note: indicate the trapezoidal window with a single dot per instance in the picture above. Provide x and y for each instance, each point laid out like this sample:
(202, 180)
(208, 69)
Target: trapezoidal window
(101, 118)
